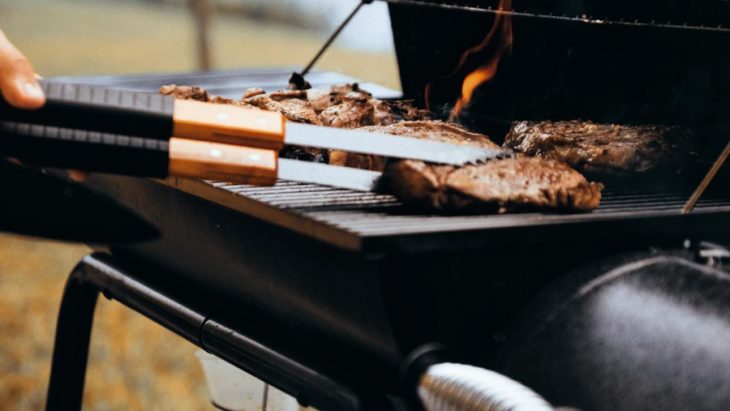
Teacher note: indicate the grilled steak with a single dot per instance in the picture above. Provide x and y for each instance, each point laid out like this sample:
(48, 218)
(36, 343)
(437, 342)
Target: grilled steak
(495, 187)
(353, 111)
(500, 186)
(293, 104)
(186, 93)
(198, 94)
(602, 148)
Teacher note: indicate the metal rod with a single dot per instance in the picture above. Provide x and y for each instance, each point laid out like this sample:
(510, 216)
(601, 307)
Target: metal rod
(71, 348)
(576, 19)
(690, 205)
(333, 36)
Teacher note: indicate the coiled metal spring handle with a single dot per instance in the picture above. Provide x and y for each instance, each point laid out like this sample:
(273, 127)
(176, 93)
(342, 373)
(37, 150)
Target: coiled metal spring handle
(458, 387)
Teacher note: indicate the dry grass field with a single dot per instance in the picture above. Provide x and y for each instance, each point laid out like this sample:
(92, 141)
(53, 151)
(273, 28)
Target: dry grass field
(134, 364)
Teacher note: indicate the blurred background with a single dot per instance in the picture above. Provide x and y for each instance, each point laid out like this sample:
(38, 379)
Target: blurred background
(135, 364)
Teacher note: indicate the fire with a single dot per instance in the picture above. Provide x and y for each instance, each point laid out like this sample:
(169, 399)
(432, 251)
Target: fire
(503, 29)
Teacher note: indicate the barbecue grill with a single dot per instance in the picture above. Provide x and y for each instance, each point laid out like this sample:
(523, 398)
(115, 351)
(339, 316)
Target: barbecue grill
(364, 291)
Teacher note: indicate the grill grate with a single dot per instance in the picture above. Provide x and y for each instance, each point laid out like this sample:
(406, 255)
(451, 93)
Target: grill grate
(369, 215)
(312, 198)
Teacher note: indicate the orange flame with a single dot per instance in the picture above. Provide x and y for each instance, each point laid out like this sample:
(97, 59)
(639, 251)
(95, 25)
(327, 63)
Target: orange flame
(502, 25)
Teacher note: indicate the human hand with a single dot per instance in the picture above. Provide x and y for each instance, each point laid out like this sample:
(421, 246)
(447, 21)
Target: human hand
(18, 81)
(19, 84)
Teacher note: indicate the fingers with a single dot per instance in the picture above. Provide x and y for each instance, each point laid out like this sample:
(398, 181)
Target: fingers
(18, 82)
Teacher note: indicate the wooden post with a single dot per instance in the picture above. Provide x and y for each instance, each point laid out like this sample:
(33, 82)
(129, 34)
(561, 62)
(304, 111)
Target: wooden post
(202, 11)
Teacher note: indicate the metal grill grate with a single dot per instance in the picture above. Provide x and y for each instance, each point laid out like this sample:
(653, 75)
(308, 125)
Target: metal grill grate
(318, 210)
(313, 199)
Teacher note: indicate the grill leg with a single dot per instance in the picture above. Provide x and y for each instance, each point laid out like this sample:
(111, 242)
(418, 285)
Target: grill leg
(73, 335)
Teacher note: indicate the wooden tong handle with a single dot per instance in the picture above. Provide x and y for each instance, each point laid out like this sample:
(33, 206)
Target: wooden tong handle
(222, 162)
(229, 124)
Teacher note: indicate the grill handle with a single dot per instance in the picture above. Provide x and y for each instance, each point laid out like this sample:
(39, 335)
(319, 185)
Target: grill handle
(459, 387)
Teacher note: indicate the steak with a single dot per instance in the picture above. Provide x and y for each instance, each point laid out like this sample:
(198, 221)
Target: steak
(349, 106)
(494, 187)
(198, 94)
(603, 148)
(351, 111)
(516, 184)
(292, 104)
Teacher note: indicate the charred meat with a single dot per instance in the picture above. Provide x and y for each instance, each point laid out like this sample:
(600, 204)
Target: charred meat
(186, 93)
(517, 184)
(198, 94)
(293, 104)
(602, 148)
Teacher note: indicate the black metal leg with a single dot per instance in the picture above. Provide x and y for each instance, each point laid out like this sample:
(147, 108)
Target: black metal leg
(103, 273)
(71, 349)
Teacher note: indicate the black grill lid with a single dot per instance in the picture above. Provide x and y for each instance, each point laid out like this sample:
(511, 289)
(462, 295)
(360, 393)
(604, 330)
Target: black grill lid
(690, 13)
(576, 67)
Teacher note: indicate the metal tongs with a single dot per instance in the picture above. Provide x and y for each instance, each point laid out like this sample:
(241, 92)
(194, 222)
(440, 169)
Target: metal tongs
(97, 129)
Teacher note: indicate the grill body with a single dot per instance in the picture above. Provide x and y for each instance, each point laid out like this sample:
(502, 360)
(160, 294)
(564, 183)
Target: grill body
(344, 281)
(338, 310)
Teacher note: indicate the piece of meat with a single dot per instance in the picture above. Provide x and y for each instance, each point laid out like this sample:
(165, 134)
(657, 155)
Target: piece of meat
(361, 161)
(185, 92)
(428, 130)
(198, 94)
(392, 112)
(251, 92)
(500, 186)
(349, 114)
(322, 99)
(360, 109)
(292, 104)
(348, 88)
(603, 148)
(284, 95)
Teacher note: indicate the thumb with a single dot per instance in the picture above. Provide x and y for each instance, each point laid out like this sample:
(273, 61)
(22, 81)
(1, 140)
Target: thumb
(18, 82)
